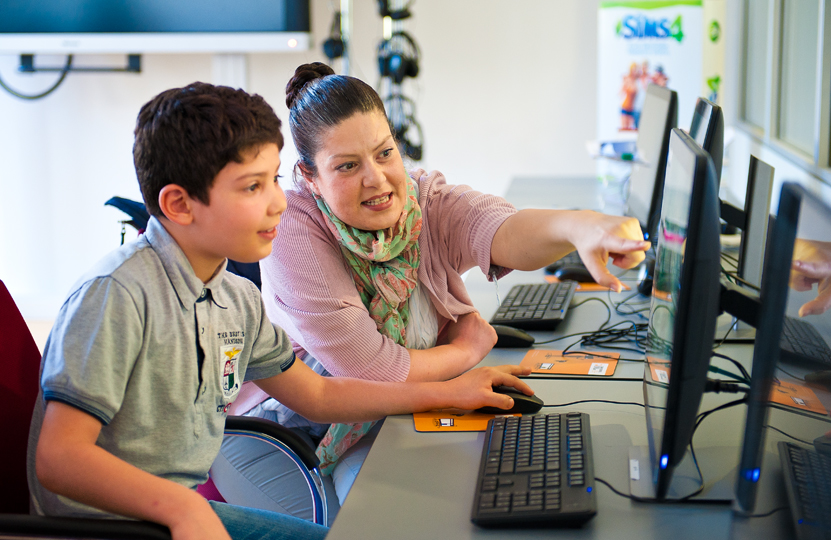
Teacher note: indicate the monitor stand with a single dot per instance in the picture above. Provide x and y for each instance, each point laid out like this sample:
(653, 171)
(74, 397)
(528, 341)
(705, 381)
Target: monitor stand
(685, 479)
(741, 333)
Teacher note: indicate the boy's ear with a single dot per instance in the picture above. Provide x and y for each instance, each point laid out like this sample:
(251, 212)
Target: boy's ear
(176, 204)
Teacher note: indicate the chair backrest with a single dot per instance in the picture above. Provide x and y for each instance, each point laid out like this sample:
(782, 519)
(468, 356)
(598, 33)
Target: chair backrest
(19, 366)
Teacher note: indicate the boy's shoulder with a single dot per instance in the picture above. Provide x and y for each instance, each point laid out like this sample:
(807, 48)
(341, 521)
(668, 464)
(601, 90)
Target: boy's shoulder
(130, 265)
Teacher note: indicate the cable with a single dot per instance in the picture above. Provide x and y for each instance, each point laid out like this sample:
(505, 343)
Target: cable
(15, 93)
(791, 375)
(729, 330)
(767, 514)
(599, 401)
(744, 282)
(797, 439)
(701, 417)
(736, 363)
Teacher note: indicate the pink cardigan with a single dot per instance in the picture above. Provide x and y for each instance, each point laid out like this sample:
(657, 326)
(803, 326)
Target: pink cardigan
(309, 292)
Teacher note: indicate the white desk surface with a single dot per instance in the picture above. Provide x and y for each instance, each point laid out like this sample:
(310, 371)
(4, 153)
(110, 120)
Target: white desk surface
(421, 485)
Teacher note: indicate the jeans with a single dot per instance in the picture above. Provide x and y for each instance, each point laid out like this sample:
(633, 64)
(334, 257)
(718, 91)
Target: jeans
(254, 524)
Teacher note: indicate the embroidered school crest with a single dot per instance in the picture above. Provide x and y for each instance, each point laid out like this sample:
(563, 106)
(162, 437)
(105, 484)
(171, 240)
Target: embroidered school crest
(230, 370)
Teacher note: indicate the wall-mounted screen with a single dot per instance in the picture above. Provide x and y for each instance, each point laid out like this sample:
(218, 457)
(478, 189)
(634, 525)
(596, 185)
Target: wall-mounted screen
(153, 26)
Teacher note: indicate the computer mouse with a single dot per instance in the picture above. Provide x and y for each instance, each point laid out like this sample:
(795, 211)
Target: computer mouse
(522, 403)
(819, 377)
(823, 444)
(580, 274)
(645, 285)
(510, 337)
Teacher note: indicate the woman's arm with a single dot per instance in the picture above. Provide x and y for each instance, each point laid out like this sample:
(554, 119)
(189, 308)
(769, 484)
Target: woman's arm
(531, 239)
(469, 340)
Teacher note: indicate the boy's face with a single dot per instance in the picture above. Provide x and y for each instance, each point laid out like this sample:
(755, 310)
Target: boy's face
(245, 205)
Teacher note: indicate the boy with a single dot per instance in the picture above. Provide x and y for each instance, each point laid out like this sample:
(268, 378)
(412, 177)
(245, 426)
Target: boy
(151, 347)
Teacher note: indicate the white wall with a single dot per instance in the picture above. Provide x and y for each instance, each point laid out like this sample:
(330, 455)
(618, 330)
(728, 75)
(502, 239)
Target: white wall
(505, 88)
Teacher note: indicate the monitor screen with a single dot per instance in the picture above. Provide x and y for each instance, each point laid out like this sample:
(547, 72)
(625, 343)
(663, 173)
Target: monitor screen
(149, 26)
(684, 306)
(754, 235)
(788, 393)
(707, 128)
(658, 116)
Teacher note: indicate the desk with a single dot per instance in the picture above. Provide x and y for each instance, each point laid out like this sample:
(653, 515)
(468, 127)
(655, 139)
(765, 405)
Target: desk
(421, 485)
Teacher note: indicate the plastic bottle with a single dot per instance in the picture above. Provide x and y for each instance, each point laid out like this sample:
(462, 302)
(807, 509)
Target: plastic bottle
(613, 177)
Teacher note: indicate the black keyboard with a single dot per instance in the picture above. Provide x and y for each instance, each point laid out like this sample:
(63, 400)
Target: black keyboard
(572, 259)
(808, 484)
(536, 470)
(801, 343)
(538, 306)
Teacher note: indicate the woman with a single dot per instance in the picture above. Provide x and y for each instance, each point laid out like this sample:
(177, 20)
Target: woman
(365, 275)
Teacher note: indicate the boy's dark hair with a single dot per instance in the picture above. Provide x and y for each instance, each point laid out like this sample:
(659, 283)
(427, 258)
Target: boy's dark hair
(185, 136)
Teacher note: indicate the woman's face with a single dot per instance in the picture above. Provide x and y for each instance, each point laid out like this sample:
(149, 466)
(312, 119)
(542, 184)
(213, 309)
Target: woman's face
(360, 173)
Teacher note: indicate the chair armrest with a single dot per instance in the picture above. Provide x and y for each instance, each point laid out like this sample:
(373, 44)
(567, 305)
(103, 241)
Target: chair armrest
(274, 430)
(64, 527)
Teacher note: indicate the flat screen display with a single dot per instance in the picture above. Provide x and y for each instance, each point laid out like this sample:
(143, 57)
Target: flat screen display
(658, 117)
(153, 25)
(790, 390)
(684, 305)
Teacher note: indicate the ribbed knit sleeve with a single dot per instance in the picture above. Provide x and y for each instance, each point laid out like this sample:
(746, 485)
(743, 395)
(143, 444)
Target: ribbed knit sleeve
(308, 290)
(459, 226)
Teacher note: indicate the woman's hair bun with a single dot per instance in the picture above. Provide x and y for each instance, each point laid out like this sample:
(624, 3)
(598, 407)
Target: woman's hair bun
(303, 75)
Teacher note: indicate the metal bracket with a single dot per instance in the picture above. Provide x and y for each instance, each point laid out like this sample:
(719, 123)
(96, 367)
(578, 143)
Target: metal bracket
(27, 65)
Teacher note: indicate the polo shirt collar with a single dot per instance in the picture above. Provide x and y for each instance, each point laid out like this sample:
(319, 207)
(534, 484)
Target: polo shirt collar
(187, 286)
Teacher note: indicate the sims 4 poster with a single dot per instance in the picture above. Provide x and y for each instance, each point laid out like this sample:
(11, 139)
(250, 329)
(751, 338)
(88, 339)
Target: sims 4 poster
(643, 42)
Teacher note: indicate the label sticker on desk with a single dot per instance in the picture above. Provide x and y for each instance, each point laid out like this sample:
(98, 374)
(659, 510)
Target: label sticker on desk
(453, 420)
(659, 368)
(543, 362)
(795, 395)
(588, 287)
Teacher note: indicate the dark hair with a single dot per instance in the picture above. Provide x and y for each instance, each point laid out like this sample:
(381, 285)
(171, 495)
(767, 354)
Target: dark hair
(185, 136)
(318, 100)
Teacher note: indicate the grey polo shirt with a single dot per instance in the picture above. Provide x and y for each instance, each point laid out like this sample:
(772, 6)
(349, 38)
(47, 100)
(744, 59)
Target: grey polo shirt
(157, 356)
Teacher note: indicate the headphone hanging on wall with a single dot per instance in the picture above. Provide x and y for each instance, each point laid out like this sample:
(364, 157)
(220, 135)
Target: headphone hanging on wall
(405, 128)
(334, 47)
(394, 14)
(398, 57)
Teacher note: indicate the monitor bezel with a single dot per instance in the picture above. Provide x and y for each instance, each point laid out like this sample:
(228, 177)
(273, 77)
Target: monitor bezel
(695, 316)
(650, 227)
(775, 278)
(713, 141)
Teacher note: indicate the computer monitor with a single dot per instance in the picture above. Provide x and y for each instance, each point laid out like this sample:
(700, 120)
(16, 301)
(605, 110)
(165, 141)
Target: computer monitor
(685, 302)
(801, 231)
(658, 116)
(753, 221)
(707, 128)
(153, 26)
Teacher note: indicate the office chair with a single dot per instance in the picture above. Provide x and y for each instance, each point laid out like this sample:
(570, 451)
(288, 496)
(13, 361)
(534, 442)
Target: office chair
(139, 216)
(20, 365)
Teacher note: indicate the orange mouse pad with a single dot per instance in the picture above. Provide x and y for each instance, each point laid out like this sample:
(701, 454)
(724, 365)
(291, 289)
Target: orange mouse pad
(601, 364)
(796, 395)
(586, 287)
(659, 368)
(453, 420)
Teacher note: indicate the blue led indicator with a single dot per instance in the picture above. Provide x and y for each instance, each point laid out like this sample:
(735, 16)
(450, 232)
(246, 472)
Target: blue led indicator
(801, 521)
(664, 461)
(756, 473)
(588, 489)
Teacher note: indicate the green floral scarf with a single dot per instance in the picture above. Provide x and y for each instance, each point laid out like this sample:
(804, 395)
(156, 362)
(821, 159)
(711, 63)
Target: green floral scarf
(384, 267)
